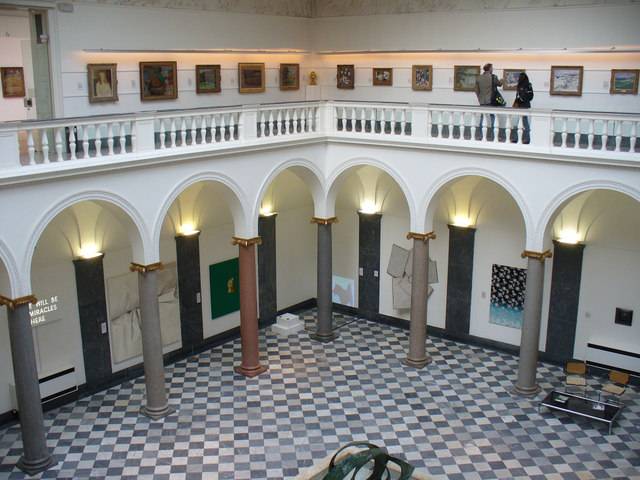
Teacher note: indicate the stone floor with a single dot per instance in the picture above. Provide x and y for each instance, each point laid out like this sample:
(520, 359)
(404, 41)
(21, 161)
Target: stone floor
(454, 419)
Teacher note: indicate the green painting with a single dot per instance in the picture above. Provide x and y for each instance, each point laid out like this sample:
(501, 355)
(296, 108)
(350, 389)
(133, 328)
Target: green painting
(224, 280)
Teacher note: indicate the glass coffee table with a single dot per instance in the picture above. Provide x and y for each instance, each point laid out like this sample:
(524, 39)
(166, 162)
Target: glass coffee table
(582, 406)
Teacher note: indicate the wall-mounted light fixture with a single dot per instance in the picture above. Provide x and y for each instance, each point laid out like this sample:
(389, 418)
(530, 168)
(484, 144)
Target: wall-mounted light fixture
(89, 250)
(571, 237)
(462, 221)
(266, 210)
(187, 229)
(369, 207)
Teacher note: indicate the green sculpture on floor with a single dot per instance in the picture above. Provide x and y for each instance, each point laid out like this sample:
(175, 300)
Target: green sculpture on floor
(351, 465)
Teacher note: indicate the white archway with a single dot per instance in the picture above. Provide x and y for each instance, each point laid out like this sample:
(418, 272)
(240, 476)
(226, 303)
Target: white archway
(12, 270)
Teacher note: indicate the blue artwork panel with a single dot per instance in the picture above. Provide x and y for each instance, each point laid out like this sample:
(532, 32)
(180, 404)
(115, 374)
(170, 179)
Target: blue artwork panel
(507, 295)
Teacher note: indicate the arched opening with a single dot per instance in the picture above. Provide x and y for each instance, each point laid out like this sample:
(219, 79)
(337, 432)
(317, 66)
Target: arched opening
(374, 215)
(288, 250)
(480, 238)
(80, 276)
(195, 246)
(6, 372)
(593, 294)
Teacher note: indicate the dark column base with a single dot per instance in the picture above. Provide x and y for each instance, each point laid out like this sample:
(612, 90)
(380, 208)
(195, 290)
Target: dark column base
(526, 391)
(250, 372)
(417, 363)
(37, 466)
(323, 337)
(154, 414)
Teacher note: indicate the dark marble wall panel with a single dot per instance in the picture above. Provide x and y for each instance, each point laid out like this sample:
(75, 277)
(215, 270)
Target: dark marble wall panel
(188, 263)
(459, 279)
(369, 263)
(267, 287)
(563, 300)
(92, 311)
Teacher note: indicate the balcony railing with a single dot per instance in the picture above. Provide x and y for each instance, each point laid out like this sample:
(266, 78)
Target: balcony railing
(100, 139)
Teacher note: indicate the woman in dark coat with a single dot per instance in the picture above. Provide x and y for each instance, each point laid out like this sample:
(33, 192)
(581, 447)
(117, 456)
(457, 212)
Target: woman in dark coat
(524, 95)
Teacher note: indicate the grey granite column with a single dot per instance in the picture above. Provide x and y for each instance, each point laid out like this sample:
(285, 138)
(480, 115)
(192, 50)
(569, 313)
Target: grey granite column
(35, 454)
(324, 329)
(157, 405)
(267, 271)
(530, 337)
(188, 263)
(417, 356)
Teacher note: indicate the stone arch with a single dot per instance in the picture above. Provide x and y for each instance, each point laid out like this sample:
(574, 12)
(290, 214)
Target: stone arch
(138, 235)
(452, 175)
(307, 171)
(338, 176)
(12, 271)
(233, 195)
(561, 199)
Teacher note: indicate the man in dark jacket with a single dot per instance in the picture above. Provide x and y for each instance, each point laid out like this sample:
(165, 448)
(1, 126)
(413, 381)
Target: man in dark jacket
(485, 85)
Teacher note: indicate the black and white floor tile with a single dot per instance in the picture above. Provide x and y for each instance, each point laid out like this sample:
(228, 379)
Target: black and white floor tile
(454, 419)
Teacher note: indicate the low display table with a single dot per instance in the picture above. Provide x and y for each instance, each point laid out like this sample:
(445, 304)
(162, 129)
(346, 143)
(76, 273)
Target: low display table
(582, 406)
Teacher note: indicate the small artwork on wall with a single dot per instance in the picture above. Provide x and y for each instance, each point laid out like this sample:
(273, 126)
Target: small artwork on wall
(566, 81)
(12, 82)
(343, 291)
(345, 77)
(289, 76)
(510, 78)
(102, 82)
(224, 278)
(464, 77)
(208, 79)
(251, 77)
(624, 82)
(158, 81)
(421, 77)
(383, 77)
(507, 295)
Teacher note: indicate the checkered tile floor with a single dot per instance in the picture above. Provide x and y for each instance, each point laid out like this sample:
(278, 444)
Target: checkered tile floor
(454, 419)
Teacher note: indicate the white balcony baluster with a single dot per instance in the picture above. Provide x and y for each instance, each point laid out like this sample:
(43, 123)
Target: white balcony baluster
(59, 153)
(45, 146)
(123, 138)
(72, 144)
(31, 148)
(98, 141)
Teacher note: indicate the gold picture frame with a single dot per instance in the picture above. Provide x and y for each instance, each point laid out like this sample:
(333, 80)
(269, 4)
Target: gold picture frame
(383, 77)
(208, 79)
(624, 82)
(12, 82)
(158, 81)
(102, 82)
(251, 78)
(510, 78)
(422, 77)
(464, 77)
(289, 76)
(566, 80)
(346, 77)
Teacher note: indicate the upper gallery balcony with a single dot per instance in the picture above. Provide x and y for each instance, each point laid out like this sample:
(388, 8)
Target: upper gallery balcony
(35, 147)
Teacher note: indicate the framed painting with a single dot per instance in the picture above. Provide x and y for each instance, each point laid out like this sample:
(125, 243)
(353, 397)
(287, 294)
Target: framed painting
(208, 79)
(158, 81)
(624, 82)
(12, 82)
(289, 76)
(251, 77)
(102, 82)
(224, 278)
(510, 78)
(383, 77)
(346, 76)
(566, 81)
(464, 77)
(421, 77)
(507, 295)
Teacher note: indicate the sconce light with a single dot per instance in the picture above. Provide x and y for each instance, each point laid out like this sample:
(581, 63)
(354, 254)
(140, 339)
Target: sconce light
(266, 211)
(571, 237)
(369, 207)
(462, 221)
(90, 250)
(187, 229)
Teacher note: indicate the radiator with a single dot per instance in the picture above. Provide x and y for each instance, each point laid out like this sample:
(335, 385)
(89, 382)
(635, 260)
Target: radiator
(53, 385)
(613, 357)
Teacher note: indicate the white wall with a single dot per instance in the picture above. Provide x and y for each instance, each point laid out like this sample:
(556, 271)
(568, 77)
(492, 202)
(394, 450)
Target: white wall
(15, 52)
(6, 371)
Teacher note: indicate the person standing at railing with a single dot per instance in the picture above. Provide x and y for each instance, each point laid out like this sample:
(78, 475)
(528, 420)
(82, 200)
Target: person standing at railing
(485, 86)
(524, 95)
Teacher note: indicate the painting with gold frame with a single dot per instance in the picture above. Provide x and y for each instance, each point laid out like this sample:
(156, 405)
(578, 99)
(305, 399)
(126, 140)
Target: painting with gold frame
(566, 81)
(624, 82)
(422, 77)
(102, 82)
(208, 79)
(289, 76)
(510, 77)
(158, 81)
(251, 77)
(345, 77)
(12, 82)
(383, 77)
(464, 77)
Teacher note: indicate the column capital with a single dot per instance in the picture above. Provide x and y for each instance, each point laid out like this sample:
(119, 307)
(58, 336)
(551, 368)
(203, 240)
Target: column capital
(425, 237)
(16, 302)
(246, 242)
(137, 267)
(324, 221)
(536, 255)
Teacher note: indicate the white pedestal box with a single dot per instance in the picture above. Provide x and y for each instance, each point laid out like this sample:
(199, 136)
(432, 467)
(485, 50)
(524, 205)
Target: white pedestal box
(287, 324)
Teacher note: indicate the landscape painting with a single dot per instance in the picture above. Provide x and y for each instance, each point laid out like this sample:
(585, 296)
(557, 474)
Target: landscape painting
(624, 82)
(464, 77)
(566, 81)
